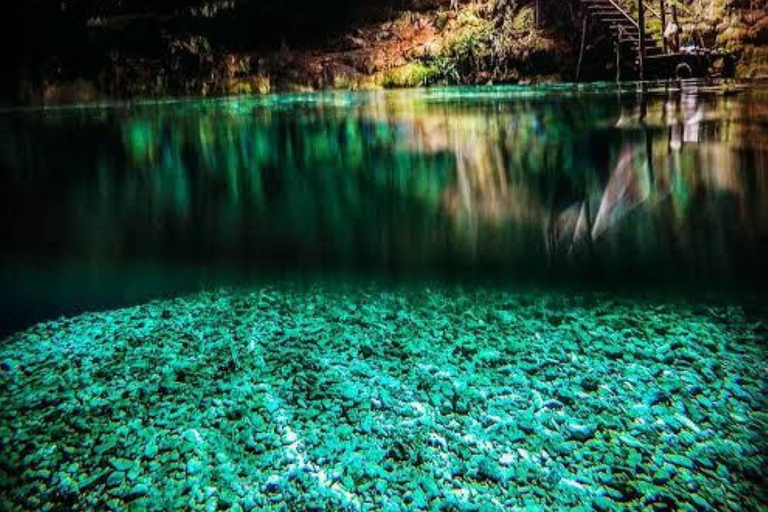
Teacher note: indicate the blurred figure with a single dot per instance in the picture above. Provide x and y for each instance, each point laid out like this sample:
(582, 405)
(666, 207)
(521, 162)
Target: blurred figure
(672, 36)
(571, 232)
(628, 188)
(568, 234)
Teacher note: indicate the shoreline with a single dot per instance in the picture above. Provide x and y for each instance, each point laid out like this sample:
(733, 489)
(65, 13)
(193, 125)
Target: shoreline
(421, 44)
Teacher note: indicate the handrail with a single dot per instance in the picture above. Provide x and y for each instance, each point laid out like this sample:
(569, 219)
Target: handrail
(679, 5)
(625, 13)
(652, 10)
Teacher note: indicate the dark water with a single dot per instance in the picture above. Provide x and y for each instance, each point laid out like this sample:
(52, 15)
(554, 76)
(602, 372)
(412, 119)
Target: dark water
(105, 205)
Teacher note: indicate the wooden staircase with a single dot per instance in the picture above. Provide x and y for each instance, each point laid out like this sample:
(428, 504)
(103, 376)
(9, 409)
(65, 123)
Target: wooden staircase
(624, 29)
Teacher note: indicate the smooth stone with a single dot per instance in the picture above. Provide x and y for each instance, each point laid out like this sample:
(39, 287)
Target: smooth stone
(274, 483)
(121, 464)
(67, 487)
(150, 451)
(663, 475)
(579, 432)
(137, 491)
(115, 479)
(488, 469)
(701, 503)
(194, 466)
(603, 504)
(552, 403)
(631, 441)
(679, 460)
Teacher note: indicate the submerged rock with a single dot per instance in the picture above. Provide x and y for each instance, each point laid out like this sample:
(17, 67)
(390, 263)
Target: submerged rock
(136, 492)
(274, 484)
(581, 432)
(679, 460)
(115, 479)
(150, 450)
(194, 467)
(488, 469)
(302, 425)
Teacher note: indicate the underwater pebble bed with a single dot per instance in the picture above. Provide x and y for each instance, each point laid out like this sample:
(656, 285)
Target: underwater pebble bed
(369, 400)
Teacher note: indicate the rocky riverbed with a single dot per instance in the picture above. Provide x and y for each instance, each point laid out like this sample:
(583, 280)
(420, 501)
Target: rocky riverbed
(385, 400)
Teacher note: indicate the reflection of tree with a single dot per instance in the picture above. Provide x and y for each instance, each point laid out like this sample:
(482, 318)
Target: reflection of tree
(647, 176)
(397, 181)
(513, 165)
(628, 188)
(692, 195)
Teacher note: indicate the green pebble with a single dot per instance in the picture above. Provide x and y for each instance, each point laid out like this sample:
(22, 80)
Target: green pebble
(679, 460)
(194, 466)
(150, 451)
(603, 504)
(121, 464)
(137, 491)
(115, 479)
(701, 503)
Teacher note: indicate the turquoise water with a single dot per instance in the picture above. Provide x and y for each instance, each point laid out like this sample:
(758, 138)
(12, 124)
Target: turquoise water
(480, 299)
(104, 205)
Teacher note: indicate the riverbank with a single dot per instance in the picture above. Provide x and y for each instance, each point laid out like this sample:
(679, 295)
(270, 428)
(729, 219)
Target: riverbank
(326, 398)
(426, 44)
(392, 44)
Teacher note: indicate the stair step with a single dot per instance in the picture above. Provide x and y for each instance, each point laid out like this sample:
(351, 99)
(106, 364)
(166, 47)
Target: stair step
(623, 27)
(630, 33)
(617, 19)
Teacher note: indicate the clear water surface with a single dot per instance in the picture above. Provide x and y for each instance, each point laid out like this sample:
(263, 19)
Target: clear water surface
(104, 205)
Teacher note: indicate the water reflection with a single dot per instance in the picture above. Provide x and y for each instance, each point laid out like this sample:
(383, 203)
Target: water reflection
(543, 181)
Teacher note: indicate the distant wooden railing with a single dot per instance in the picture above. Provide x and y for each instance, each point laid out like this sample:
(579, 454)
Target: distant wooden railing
(654, 11)
(629, 30)
(625, 13)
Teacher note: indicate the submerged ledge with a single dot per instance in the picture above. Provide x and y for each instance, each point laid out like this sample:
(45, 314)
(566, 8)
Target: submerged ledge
(374, 399)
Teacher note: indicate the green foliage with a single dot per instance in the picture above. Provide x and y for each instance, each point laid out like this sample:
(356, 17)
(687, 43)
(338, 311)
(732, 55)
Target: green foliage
(754, 62)
(258, 84)
(498, 43)
(523, 20)
(414, 74)
(468, 49)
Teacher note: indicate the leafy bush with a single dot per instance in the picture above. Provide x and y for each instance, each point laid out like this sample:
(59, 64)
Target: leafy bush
(414, 74)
